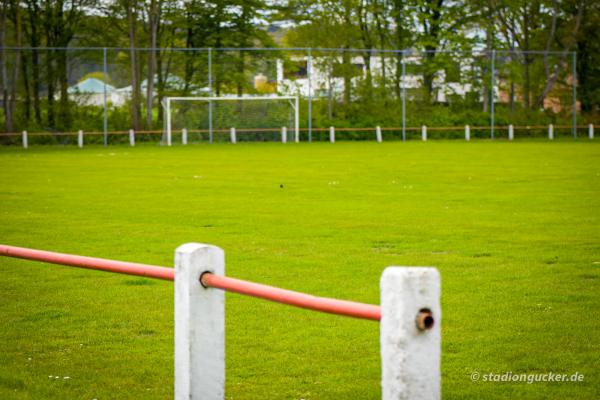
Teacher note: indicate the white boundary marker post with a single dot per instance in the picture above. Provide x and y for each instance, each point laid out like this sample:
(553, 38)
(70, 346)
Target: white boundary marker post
(410, 357)
(233, 136)
(25, 142)
(591, 131)
(184, 136)
(80, 138)
(551, 132)
(331, 134)
(131, 137)
(378, 134)
(283, 134)
(199, 324)
(296, 120)
(467, 133)
(168, 121)
(511, 132)
(424, 133)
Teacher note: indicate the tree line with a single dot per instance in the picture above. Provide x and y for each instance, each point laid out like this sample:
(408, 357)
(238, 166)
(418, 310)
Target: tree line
(35, 82)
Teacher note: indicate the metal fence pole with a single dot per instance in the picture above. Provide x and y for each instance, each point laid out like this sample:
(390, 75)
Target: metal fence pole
(105, 103)
(492, 83)
(210, 90)
(575, 94)
(403, 83)
(309, 74)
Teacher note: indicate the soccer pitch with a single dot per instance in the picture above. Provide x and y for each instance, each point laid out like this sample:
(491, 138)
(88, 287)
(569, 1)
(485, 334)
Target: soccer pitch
(514, 229)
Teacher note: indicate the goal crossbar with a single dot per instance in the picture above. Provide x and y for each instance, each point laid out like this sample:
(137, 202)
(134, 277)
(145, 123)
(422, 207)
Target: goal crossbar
(166, 102)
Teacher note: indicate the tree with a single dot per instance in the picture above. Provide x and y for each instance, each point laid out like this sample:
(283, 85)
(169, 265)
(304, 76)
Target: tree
(588, 58)
(10, 76)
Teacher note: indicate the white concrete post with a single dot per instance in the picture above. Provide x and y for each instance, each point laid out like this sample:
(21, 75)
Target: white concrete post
(233, 136)
(283, 134)
(424, 133)
(296, 121)
(467, 133)
(511, 132)
(378, 134)
(331, 134)
(551, 132)
(199, 324)
(80, 138)
(410, 337)
(131, 137)
(591, 131)
(25, 142)
(184, 136)
(168, 121)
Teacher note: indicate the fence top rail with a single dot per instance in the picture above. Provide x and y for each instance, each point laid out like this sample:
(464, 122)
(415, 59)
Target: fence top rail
(289, 297)
(237, 98)
(307, 49)
(383, 128)
(102, 264)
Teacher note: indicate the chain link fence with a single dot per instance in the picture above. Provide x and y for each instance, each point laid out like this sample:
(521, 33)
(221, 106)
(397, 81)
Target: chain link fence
(52, 93)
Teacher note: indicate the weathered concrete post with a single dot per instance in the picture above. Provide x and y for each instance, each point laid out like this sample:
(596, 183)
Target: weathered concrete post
(233, 136)
(199, 324)
(410, 333)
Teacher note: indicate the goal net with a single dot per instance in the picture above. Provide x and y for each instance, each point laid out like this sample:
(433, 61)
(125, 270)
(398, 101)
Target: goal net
(268, 118)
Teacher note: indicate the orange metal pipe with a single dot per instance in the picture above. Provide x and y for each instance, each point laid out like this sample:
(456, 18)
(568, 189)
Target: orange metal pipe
(302, 300)
(297, 299)
(121, 267)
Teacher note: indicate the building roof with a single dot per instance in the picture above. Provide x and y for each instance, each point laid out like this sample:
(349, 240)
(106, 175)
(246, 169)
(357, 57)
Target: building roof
(90, 85)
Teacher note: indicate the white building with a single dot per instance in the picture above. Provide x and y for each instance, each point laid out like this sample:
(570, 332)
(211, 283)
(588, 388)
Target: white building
(324, 80)
(91, 92)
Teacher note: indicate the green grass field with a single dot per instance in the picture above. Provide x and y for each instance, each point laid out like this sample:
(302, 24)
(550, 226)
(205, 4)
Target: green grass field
(514, 229)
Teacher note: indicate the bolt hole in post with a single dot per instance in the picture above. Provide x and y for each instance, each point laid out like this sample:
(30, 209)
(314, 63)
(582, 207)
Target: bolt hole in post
(425, 320)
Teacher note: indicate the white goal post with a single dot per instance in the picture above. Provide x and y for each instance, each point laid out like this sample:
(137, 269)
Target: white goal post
(167, 103)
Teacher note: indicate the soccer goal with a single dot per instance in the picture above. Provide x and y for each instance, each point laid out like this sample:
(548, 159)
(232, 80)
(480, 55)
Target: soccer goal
(265, 118)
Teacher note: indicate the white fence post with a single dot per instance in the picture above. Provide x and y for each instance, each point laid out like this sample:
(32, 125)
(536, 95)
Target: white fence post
(591, 131)
(199, 324)
(410, 333)
(131, 137)
(331, 134)
(551, 132)
(80, 138)
(233, 136)
(511, 132)
(378, 134)
(168, 120)
(25, 142)
(283, 134)
(467, 133)
(184, 136)
(424, 133)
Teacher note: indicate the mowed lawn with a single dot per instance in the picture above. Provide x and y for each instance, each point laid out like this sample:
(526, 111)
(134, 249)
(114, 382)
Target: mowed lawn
(514, 229)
